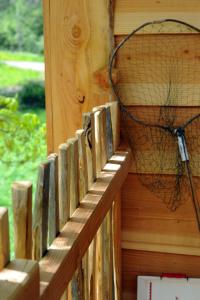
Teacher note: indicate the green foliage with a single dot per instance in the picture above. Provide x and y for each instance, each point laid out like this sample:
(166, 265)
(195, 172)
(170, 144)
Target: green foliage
(22, 136)
(21, 25)
(11, 76)
(32, 94)
(22, 148)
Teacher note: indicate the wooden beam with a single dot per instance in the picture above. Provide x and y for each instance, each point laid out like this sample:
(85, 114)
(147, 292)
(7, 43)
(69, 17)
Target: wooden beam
(65, 253)
(83, 45)
(4, 238)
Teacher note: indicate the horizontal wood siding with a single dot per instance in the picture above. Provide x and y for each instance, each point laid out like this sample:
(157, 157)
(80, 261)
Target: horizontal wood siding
(130, 14)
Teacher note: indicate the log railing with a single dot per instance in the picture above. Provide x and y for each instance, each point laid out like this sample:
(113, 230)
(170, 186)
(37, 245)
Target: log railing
(67, 249)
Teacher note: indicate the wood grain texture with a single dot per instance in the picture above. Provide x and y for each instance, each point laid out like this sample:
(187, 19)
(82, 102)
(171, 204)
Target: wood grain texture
(22, 212)
(88, 121)
(40, 218)
(130, 14)
(115, 120)
(20, 280)
(78, 44)
(117, 254)
(61, 261)
(147, 224)
(4, 238)
(53, 215)
(48, 74)
(145, 67)
(83, 172)
(73, 175)
(64, 188)
(136, 263)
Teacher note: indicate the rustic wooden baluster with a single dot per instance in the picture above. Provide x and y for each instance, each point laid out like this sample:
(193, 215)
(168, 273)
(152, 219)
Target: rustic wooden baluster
(73, 288)
(98, 249)
(64, 191)
(115, 119)
(40, 221)
(64, 187)
(73, 178)
(22, 213)
(53, 217)
(107, 225)
(109, 133)
(88, 125)
(83, 173)
(116, 211)
(83, 188)
(4, 238)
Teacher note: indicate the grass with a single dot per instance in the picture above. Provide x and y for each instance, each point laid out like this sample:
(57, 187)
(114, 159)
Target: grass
(20, 56)
(10, 76)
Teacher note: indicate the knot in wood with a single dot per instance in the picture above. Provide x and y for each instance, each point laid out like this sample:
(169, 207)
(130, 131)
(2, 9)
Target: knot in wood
(76, 31)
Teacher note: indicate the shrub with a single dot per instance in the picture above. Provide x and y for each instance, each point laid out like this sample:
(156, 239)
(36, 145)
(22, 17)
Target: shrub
(32, 94)
(22, 135)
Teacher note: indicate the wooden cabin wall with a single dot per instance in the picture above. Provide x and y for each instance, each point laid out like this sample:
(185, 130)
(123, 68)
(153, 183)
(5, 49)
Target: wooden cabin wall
(154, 239)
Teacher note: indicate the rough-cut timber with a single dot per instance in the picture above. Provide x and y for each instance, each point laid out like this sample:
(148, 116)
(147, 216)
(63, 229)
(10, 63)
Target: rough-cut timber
(4, 238)
(78, 42)
(22, 213)
(53, 217)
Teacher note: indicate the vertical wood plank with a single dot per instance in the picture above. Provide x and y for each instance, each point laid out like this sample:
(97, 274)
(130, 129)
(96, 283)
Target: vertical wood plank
(88, 125)
(115, 119)
(83, 273)
(83, 173)
(117, 253)
(73, 178)
(64, 183)
(97, 118)
(4, 238)
(40, 221)
(53, 217)
(22, 214)
(77, 44)
(109, 134)
(48, 74)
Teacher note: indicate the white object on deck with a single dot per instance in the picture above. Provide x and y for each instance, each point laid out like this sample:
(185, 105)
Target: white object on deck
(157, 288)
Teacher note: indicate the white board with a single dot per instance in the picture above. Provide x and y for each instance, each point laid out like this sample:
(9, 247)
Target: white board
(157, 288)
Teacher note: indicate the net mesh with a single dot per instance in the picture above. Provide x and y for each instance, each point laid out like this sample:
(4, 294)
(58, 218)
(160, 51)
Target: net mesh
(159, 91)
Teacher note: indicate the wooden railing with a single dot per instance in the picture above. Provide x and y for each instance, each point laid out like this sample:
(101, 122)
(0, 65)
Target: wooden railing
(68, 250)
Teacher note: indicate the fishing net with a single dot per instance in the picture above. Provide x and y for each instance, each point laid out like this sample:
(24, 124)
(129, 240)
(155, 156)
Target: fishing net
(159, 97)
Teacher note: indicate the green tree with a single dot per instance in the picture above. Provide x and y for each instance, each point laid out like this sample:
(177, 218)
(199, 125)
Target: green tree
(21, 25)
